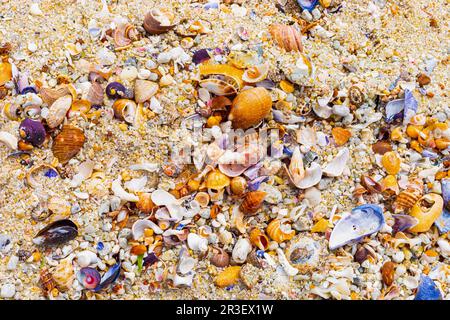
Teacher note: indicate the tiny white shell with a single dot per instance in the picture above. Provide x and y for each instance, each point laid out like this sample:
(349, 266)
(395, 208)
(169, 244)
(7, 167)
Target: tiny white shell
(336, 167)
(121, 193)
(86, 258)
(313, 175)
(241, 250)
(182, 281)
(197, 243)
(186, 264)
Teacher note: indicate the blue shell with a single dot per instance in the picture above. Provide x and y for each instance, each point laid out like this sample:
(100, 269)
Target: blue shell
(445, 186)
(255, 183)
(89, 278)
(443, 222)
(109, 277)
(362, 221)
(56, 233)
(403, 222)
(394, 110)
(427, 289)
(411, 106)
(307, 4)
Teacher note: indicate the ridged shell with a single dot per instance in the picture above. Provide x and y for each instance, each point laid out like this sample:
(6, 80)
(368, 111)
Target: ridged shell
(58, 111)
(256, 73)
(427, 210)
(68, 143)
(49, 95)
(250, 107)
(144, 90)
(220, 258)
(216, 180)
(64, 274)
(225, 70)
(286, 37)
(406, 199)
(252, 202)
(158, 21)
(259, 239)
(219, 87)
(228, 277)
(145, 203)
(275, 232)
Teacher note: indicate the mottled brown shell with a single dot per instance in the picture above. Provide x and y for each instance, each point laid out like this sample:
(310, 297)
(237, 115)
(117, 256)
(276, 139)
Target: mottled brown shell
(68, 143)
(286, 37)
(250, 107)
(252, 202)
(152, 22)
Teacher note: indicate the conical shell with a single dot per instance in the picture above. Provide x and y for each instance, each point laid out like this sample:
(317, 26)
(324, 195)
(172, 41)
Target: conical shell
(58, 111)
(252, 202)
(144, 90)
(68, 143)
(250, 107)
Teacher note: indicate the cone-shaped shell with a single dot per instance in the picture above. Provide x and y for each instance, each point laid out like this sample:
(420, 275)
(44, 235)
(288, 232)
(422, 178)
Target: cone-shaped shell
(144, 90)
(427, 210)
(276, 233)
(250, 107)
(252, 202)
(68, 143)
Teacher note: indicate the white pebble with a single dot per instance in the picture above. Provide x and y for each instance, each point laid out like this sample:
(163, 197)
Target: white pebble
(129, 73)
(8, 290)
(12, 263)
(144, 74)
(35, 10)
(32, 47)
(398, 256)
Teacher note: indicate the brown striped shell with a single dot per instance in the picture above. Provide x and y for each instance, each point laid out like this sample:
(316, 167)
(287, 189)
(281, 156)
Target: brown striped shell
(252, 202)
(287, 37)
(68, 143)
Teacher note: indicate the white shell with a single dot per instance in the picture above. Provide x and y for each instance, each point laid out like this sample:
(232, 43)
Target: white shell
(58, 111)
(86, 258)
(313, 175)
(290, 270)
(186, 264)
(9, 140)
(121, 193)
(150, 167)
(144, 90)
(136, 184)
(182, 281)
(163, 198)
(84, 172)
(307, 136)
(296, 170)
(263, 70)
(197, 243)
(337, 165)
(137, 230)
(241, 250)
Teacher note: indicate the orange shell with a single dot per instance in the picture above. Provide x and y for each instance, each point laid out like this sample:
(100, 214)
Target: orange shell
(287, 37)
(238, 185)
(276, 234)
(426, 211)
(390, 185)
(228, 276)
(223, 69)
(145, 203)
(406, 199)
(250, 107)
(259, 239)
(391, 162)
(252, 202)
(341, 135)
(68, 143)
(216, 180)
(5, 72)
(138, 249)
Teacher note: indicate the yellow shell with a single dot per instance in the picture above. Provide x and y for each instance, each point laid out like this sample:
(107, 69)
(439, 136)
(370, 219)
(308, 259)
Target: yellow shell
(391, 162)
(341, 135)
(427, 210)
(406, 199)
(5, 72)
(390, 185)
(259, 239)
(413, 131)
(238, 185)
(275, 232)
(250, 107)
(64, 275)
(222, 69)
(216, 180)
(228, 277)
(286, 37)
(145, 203)
(81, 106)
(59, 207)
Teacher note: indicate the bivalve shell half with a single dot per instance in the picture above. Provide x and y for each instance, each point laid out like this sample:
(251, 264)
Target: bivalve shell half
(68, 143)
(58, 111)
(427, 210)
(5, 72)
(158, 21)
(287, 37)
(250, 107)
(56, 233)
(144, 90)
(336, 167)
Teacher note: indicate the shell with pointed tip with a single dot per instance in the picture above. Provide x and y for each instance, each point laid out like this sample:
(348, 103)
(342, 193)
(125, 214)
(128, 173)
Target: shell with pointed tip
(58, 111)
(256, 73)
(144, 90)
(277, 231)
(68, 143)
(336, 167)
(158, 21)
(287, 37)
(56, 233)
(426, 210)
(362, 221)
(109, 277)
(250, 107)
(296, 171)
(259, 239)
(89, 278)
(125, 109)
(32, 131)
(427, 289)
(252, 202)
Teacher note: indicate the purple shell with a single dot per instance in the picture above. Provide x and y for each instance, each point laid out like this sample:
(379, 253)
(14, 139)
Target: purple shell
(443, 222)
(307, 4)
(362, 221)
(411, 105)
(429, 154)
(56, 233)
(89, 278)
(150, 259)
(445, 186)
(403, 222)
(266, 83)
(255, 183)
(28, 89)
(109, 277)
(252, 172)
(394, 110)
(200, 56)
(32, 131)
(115, 90)
(427, 289)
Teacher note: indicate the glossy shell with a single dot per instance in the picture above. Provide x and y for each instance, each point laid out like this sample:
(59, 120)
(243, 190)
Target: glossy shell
(56, 233)
(58, 111)
(427, 210)
(256, 73)
(250, 107)
(391, 162)
(158, 21)
(341, 135)
(115, 90)
(287, 37)
(228, 277)
(32, 131)
(238, 185)
(216, 180)
(144, 90)
(125, 109)
(427, 290)
(68, 143)
(88, 277)
(259, 239)
(276, 231)
(109, 277)
(5, 72)
(362, 221)
(252, 202)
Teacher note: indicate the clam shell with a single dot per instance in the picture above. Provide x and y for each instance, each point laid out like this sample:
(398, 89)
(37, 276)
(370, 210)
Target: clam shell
(250, 107)
(312, 176)
(109, 277)
(163, 198)
(58, 111)
(89, 278)
(68, 143)
(427, 289)
(138, 228)
(286, 37)
(49, 95)
(56, 233)
(158, 21)
(362, 221)
(144, 90)
(336, 167)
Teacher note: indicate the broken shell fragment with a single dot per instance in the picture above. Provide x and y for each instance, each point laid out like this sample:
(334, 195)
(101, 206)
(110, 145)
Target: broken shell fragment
(158, 21)
(56, 233)
(305, 253)
(312, 176)
(58, 111)
(336, 167)
(250, 107)
(145, 203)
(5, 73)
(241, 250)
(144, 90)
(256, 73)
(68, 143)
(427, 289)
(426, 210)
(391, 162)
(9, 140)
(259, 239)
(341, 135)
(278, 231)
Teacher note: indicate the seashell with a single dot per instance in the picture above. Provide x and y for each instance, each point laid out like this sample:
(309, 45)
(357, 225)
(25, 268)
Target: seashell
(231, 74)
(287, 267)
(241, 250)
(286, 37)
(179, 281)
(443, 222)
(356, 95)
(124, 34)
(307, 4)
(79, 107)
(175, 237)
(403, 222)
(445, 186)
(411, 105)
(427, 289)
(406, 199)
(256, 73)
(47, 281)
(197, 243)
(387, 272)
(304, 254)
(238, 185)
(5, 73)
(259, 239)
(426, 210)
(138, 250)
(312, 176)
(381, 147)
(32, 131)
(279, 232)
(336, 167)
(125, 109)
(341, 135)
(307, 136)
(144, 90)
(88, 277)
(145, 203)
(202, 199)
(59, 207)
(56, 233)
(30, 177)
(200, 56)
(158, 21)
(220, 258)
(296, 171)
(390, 186)
(362, 221)
(138, 228)
(64, 274)
(109, 277)
(252, 202)
(49, 95)
(250, 107)
(163, 198)
(232, 169)
(115, 90)
(186, 264)
(216, 180)
(12, 111)
(95, 94)
(68, 143)
(391, 162)
(58, 111)
(371, 185)
(361, 254)
(228, 277)
(394, 110)
(256, 183)
(9, 140)
(219, 87)
(86, 258)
